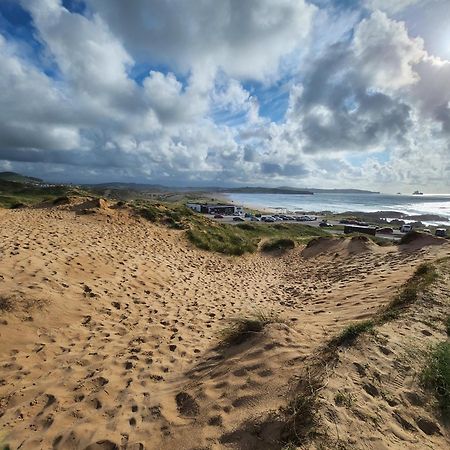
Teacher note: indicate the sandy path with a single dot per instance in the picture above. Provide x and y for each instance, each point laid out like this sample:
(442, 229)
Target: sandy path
(114, 320)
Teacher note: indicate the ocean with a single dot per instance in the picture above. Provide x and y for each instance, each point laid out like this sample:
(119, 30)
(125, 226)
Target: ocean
(407, 204)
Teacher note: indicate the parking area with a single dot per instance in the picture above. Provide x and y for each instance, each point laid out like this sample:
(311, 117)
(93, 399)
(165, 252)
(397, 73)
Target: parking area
(335, 228)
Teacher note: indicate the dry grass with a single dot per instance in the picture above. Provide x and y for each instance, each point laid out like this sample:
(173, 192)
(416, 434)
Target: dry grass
(241, 329)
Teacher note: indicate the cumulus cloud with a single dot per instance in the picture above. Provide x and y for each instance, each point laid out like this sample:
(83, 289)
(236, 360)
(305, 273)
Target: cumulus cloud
(354, 84)
(245, 39)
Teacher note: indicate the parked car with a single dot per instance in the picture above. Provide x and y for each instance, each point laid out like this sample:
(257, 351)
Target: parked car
(386, 230)
(305, 218)
(238, 219)
(218, 216)
(255, 219)
(325, 224)
(406, 228)
(270, 219)
(441, 232)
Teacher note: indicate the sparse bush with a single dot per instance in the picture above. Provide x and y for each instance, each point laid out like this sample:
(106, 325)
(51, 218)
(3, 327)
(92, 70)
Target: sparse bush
(410, 237)
(447, 325)
(436, 375)
(343, 399)
(62, 200)
(278, 244)
(242, 328)
(6, 304)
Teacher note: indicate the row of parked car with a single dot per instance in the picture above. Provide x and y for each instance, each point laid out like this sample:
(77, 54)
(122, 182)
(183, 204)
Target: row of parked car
(284, 217)
(272, 218)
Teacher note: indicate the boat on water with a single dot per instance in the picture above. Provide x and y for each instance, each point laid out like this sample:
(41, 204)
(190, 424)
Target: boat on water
(417, 193)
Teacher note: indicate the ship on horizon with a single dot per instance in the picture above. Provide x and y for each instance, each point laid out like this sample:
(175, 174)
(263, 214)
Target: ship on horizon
(417, 193)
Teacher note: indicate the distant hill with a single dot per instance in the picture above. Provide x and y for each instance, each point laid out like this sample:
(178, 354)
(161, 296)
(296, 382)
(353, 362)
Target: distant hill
(141, 187)
(264, 190)
(17, 178)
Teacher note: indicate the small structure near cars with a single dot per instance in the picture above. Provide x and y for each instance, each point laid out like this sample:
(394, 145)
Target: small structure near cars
(359, 229)
(225, 210)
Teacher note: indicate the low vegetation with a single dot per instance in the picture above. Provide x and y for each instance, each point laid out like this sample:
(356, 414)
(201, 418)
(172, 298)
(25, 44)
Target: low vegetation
(410, 237)
(343, 399)
(223, 237)
(352, 331)
(6, 304)
(281, 244)
(436, 376)
(242, 328)
(423, 277)
(14, 194)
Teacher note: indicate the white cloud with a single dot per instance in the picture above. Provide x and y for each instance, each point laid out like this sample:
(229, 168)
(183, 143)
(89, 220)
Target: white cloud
(385, 52)
(356, 87)
(246, 39)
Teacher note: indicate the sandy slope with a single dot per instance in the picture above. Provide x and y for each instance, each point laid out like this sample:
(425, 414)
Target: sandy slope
(109, 326)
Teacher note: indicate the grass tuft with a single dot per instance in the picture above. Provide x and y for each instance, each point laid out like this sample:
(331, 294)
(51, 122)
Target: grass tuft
(423, 277)
(241, 329)
(281, 244)
(343, 399)
(352, 331)
(436, 375)
(6, 304)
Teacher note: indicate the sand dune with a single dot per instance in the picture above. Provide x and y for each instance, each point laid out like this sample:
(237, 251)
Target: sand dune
(109, 328)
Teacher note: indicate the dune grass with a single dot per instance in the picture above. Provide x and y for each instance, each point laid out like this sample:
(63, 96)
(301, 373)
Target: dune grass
(280, 244)
(350, 333)
(226, 238)
(15, 194)
(242, 328)
(423, 277)
(436, 376)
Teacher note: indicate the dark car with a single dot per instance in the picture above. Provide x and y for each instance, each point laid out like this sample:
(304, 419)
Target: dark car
(218, 216)
(441, 232)
(238, 219)
(386, 230)
(325, 224)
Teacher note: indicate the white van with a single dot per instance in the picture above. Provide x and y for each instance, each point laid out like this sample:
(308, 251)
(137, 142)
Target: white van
(406, 228)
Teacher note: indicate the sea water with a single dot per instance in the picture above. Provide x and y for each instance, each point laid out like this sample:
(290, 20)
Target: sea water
(338, 203)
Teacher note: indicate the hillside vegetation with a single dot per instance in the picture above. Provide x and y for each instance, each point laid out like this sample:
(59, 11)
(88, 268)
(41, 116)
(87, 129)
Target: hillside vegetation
(14, 194)
(225, 238)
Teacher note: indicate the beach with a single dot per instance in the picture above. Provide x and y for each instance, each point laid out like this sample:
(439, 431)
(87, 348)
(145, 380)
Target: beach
(437, 205)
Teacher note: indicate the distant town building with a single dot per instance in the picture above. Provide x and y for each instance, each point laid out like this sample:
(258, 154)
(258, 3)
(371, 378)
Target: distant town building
(226, 210)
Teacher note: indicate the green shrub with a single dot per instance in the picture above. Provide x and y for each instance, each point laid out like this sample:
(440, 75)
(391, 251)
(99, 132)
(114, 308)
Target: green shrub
(278, 244)
(436, 375)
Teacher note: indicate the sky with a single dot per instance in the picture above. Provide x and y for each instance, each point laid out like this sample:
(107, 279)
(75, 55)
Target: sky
(305, 93)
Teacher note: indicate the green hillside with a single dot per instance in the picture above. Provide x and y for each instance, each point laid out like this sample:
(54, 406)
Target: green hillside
(17, 178)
